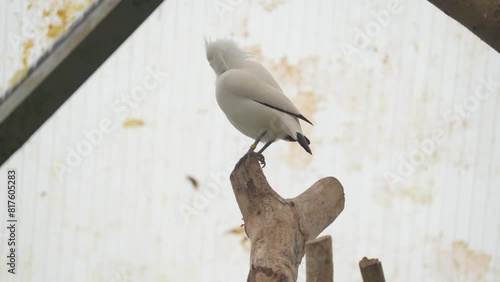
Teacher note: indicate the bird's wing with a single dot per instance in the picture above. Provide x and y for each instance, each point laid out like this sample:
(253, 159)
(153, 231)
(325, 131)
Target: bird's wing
(245, 83)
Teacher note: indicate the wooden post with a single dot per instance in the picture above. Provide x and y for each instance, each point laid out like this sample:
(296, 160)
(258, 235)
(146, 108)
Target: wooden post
(371, 270)
(319, 260)
(278, 228)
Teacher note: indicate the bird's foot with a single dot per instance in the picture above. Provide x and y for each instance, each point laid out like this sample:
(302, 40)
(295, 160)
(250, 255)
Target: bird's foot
(260, 157)
(262, 160)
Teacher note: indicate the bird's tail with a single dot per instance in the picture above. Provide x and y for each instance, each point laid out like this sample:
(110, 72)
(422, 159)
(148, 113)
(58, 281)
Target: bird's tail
(304, 142)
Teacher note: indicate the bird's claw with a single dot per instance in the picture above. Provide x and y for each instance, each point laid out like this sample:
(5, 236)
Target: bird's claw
(262, 160)
(259, 155)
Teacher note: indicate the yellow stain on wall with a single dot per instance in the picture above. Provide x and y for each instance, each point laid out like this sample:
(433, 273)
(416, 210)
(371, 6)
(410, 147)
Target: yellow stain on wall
(20, 74)
(385, 195)
(418, 195)
(270, 5)
(460, 263)
(133, 123)
(299, 78)
(244, 240)
(307, 102)
(46, 13)
(240, 231)
(66, 15)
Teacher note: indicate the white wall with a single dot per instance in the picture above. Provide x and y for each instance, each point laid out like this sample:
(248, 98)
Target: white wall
(116, 214)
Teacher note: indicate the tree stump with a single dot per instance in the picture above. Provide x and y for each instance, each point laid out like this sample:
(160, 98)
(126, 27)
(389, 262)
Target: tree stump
(279, 228)
(371, 270)
(319, 260)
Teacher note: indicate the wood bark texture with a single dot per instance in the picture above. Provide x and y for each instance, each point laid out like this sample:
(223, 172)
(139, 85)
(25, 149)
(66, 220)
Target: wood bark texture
(279, 228)
(319, 260)
(371, 270)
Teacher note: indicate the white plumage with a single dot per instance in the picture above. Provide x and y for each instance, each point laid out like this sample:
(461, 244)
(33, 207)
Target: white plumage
(251, 98)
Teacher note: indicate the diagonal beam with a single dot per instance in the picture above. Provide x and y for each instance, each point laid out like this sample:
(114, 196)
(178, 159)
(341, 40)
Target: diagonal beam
(481, 17)
(74, 58)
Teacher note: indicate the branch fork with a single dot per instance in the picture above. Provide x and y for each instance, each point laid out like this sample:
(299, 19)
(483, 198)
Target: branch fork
(279, 228)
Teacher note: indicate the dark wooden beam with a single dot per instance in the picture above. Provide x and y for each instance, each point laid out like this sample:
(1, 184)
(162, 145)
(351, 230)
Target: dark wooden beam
(481, 17)
(72, 60)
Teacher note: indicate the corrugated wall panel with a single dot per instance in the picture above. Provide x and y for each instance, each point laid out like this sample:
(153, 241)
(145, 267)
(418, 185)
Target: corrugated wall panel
(116, 214)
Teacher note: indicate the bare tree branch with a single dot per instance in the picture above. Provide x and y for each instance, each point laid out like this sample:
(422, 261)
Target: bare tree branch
(278, 228)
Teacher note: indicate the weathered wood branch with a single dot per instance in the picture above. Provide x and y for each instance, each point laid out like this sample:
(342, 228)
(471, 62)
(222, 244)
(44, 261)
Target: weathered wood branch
(278, 228)
(482, 17)
(371, 270)
(319, 260)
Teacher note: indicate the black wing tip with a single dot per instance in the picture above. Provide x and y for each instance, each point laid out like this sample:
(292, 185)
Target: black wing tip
(307, 140)
(304, 142)
(305, 119)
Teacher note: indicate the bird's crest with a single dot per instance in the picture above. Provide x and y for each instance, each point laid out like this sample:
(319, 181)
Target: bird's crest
(224, 54)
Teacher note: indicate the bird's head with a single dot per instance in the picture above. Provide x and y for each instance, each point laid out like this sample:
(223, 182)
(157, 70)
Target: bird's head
(224, 54)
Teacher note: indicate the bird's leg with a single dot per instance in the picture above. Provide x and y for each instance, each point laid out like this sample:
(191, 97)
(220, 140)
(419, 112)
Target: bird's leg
(262, 160)
(254, 145)
(265, 146)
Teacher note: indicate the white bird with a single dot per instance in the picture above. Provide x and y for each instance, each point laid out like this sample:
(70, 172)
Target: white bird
(251, 98)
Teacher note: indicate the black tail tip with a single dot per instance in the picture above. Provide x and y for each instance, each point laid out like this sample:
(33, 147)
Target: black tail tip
(304, 142)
